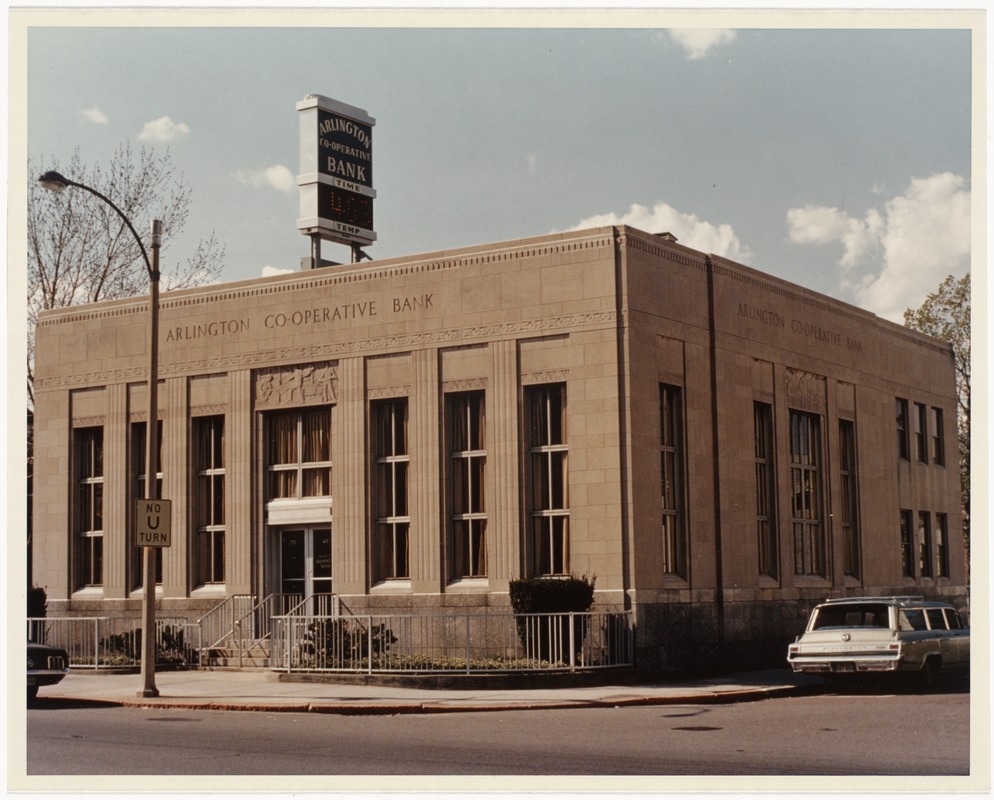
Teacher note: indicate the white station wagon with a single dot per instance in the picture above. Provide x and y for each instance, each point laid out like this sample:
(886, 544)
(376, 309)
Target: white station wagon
(859, 635)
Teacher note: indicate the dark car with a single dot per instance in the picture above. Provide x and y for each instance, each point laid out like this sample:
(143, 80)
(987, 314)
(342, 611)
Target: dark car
(46, 666)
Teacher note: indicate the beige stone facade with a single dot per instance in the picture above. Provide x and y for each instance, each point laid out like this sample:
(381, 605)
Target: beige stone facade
(719, 447)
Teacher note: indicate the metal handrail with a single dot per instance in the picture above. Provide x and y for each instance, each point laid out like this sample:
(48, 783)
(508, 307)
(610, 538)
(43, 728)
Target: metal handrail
(299, 610)
(220, 619)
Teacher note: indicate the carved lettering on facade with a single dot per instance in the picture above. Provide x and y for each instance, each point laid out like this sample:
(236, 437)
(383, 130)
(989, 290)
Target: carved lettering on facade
(816, 333)
(297, 385)
(204, 330)
(763, 315)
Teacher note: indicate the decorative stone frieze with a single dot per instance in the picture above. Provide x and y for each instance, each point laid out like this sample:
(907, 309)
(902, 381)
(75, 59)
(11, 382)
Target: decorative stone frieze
(298, 385)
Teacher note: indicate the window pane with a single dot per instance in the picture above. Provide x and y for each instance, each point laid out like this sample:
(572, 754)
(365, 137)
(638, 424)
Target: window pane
(478, 547)
(217, 515)
(902, 427)
(283, 484)
(204, 505)
(921, 432)
(283, 439)
(316, 439)
(907, 546)
(217, 573)
(938, 438)
(317, 482)
(942, 545)
(461, 502)
(458, 419)
(400, 489)
(925, 544)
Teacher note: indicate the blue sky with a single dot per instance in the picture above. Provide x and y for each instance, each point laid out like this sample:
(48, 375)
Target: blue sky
(836, 158)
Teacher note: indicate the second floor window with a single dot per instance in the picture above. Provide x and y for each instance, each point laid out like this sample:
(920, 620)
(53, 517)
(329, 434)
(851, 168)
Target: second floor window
(548, 475)
(849, 508)
(907, 545)
(925, 544)
(766, 527)
(392, 467)
(921, 432)
(942, 545)
(467, 471)
(671, 476)
(299, 453)
(938, 438)
(90, 506)
(209, 473)
(903, 443)
(805, 486)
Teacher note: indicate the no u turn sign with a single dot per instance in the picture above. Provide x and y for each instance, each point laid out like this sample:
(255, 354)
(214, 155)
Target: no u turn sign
(152, 523)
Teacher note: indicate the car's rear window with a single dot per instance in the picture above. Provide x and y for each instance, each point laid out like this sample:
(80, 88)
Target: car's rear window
(868, 615)
(913, 619)
(955, 623)
(936, 621)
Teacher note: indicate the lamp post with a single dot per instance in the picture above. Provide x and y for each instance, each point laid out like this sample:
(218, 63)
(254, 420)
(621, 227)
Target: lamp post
(56, 182)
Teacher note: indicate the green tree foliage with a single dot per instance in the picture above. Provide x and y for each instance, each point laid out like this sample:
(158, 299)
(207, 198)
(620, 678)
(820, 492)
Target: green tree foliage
(79, 249)
(945, 314)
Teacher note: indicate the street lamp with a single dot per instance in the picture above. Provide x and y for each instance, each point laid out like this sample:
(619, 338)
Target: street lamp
(55, 182)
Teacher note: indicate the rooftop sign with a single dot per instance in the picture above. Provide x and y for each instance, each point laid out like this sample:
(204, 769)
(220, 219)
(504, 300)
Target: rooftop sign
(336, 171)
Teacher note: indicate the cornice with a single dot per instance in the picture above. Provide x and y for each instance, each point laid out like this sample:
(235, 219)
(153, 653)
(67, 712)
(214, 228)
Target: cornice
(332, 350)
(333, 277)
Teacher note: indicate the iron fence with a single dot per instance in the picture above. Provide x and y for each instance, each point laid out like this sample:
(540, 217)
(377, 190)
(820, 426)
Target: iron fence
(453, 643)
(103, 642)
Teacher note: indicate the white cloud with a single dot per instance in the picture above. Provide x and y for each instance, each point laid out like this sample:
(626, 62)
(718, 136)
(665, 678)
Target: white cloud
(94, 115)
(277, 177)
(532, 160)
(719, 240)
(163, 129)
(696, 42)
(904, 251)
(268, 272)
(821, 225)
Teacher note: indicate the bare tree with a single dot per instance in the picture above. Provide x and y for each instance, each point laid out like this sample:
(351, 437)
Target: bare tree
(945, 314)
(80, 250)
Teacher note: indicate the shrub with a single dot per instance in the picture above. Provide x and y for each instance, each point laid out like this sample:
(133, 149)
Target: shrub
(343, 643)
(121, 649)
(37, 600)
(547, 638)
(552, 595)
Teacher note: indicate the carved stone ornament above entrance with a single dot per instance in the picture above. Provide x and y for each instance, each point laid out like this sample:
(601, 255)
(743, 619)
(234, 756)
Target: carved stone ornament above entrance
(806, 391)
(298, 385)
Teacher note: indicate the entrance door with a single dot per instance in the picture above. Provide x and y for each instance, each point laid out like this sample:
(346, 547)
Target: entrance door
(293, 563)
(305, 564)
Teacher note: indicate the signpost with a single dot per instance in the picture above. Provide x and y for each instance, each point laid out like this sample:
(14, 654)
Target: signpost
(336, 175)
(153, 523)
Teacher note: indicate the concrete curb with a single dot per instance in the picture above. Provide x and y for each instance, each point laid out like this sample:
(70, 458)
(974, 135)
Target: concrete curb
(452, 707)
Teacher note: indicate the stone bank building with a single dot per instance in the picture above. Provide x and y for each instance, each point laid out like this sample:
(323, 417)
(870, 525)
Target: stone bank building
(720, 448)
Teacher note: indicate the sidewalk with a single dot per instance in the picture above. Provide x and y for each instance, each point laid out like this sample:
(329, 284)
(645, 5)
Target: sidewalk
(265, 691)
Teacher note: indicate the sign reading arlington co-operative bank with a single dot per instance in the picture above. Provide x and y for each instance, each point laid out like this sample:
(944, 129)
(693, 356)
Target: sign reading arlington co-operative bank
(336, 171)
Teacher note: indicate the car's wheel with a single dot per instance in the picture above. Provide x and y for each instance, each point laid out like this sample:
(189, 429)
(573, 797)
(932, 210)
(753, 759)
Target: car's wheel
(32, 692)
(929, 675)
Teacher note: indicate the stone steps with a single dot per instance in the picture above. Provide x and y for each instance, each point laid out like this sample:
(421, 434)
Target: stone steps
(253, 654)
